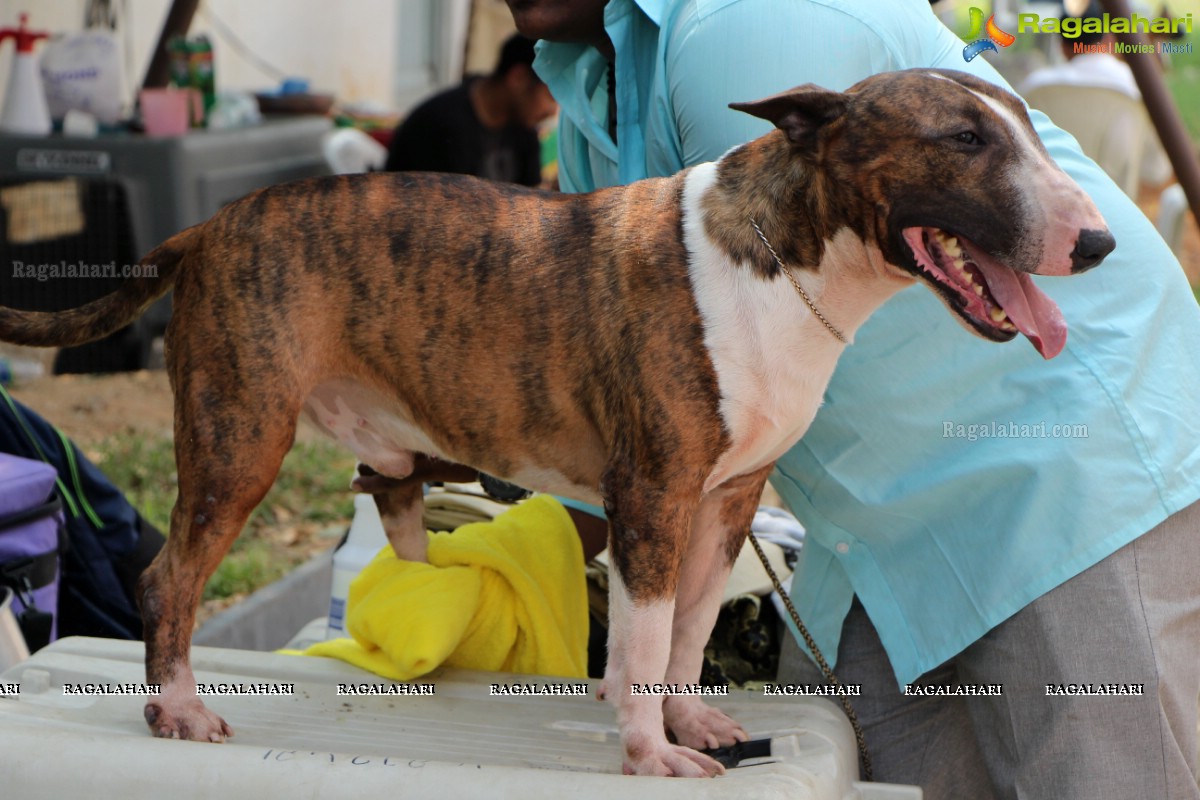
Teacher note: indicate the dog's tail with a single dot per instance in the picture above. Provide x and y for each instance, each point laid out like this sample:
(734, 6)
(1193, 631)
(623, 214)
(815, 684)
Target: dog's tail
(107, 314)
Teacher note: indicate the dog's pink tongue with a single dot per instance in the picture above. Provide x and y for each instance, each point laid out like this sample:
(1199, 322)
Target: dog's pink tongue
(1034, 314)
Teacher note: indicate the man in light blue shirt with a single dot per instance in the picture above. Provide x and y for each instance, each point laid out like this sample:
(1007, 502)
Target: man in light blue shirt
(975, 514)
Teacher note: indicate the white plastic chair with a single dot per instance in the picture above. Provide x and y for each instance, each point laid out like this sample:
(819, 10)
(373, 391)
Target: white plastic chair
(1172, 210)
(348, 150)
(1111, 127)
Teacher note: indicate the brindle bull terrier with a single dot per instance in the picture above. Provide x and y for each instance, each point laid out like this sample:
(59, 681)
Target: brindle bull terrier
(654, 347)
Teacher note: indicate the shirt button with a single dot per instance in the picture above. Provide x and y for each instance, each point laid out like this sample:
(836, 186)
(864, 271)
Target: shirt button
(843, 548)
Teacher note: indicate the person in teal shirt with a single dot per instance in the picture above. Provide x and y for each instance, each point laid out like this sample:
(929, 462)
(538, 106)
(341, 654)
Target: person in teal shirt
(975, 515)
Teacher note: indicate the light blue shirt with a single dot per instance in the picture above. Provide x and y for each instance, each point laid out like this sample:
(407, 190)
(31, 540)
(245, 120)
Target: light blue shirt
(941, 535)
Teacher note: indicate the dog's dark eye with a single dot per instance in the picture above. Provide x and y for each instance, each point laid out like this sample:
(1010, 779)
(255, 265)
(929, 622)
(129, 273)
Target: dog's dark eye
(968, 137)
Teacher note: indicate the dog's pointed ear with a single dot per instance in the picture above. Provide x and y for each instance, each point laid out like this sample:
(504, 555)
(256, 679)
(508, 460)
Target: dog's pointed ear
(799, 112)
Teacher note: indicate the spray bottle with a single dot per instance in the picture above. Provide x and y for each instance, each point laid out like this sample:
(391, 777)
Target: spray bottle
(25, 110)
(365, 539)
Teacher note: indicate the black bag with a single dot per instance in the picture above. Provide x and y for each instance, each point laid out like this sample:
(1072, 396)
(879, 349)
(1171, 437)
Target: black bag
(108, 543)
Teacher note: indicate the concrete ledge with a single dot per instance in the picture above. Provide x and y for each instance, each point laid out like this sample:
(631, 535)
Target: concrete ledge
(269, 618)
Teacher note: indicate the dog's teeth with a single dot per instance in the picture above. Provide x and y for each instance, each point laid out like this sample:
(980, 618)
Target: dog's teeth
(978, 290)
(1007, 326)
(949, 243)
(966, 276)
(999, 315)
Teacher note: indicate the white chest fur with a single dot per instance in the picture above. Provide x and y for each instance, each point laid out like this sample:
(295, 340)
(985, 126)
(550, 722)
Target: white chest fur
(772, 357)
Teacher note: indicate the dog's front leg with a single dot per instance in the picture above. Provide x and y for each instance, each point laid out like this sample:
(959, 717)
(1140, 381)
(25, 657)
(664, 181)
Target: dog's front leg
(648, 530)
(718, 530)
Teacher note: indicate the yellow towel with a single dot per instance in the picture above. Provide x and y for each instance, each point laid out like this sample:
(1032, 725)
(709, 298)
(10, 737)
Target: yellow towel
(506, 595)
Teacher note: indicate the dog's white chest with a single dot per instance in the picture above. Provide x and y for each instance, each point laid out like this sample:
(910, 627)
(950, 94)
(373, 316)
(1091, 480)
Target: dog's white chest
(772, 357)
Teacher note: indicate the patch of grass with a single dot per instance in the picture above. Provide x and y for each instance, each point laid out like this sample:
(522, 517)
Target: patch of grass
(1183, 76)
(248, 566)
(1182, 82)
(143, 467)
(312, 490)
(313, 486)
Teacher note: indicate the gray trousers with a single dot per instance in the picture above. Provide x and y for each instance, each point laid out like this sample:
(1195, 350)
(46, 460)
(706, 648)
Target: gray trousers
(1134, 618)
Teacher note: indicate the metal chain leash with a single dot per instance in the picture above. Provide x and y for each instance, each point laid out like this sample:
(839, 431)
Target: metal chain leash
(830, 678)
(796, 284)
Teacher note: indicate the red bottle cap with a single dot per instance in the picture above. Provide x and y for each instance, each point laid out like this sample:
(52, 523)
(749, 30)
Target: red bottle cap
(23, 36)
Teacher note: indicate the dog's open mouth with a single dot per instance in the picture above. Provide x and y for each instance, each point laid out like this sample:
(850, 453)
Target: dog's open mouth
(995, 300)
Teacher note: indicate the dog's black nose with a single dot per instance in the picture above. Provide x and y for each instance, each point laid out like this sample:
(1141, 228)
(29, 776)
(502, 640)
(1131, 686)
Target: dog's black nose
(1090, 249)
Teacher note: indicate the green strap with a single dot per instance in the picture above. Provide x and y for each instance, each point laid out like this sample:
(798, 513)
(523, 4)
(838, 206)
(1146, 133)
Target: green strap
(62, 487)
(69, 449)
(21, 420)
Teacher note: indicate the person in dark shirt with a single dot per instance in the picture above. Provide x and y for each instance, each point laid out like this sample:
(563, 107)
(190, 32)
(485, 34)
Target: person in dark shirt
(486, 126)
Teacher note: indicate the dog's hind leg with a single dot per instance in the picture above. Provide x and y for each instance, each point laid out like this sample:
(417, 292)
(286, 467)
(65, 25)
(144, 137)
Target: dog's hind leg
(718, 531)
(400, 500)
(230, 439)
(401, 509)
(648, 530)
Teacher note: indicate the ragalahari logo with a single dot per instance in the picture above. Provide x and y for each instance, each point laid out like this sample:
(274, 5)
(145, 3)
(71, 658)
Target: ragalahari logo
(985, 37)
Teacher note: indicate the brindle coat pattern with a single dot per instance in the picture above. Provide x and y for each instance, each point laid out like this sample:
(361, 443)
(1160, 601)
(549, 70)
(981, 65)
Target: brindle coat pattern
(568, 342)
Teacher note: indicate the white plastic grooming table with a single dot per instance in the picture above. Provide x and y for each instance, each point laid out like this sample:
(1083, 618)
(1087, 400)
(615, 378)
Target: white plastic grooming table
(458, 743)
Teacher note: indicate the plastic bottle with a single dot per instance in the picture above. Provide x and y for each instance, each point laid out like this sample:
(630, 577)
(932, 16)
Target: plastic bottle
(365, 539)
(202, 72)
(178, 57)
(25, 110)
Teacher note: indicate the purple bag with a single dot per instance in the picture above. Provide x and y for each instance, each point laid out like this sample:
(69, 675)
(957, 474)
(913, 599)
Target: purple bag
(31, 525)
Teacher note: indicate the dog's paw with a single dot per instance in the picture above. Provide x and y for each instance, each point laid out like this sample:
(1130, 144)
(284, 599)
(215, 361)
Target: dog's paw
(696, 724)
(669, 761)
(187, 720)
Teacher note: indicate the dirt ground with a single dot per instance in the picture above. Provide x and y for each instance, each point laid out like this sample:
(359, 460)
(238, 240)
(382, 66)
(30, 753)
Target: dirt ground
(92, 408)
